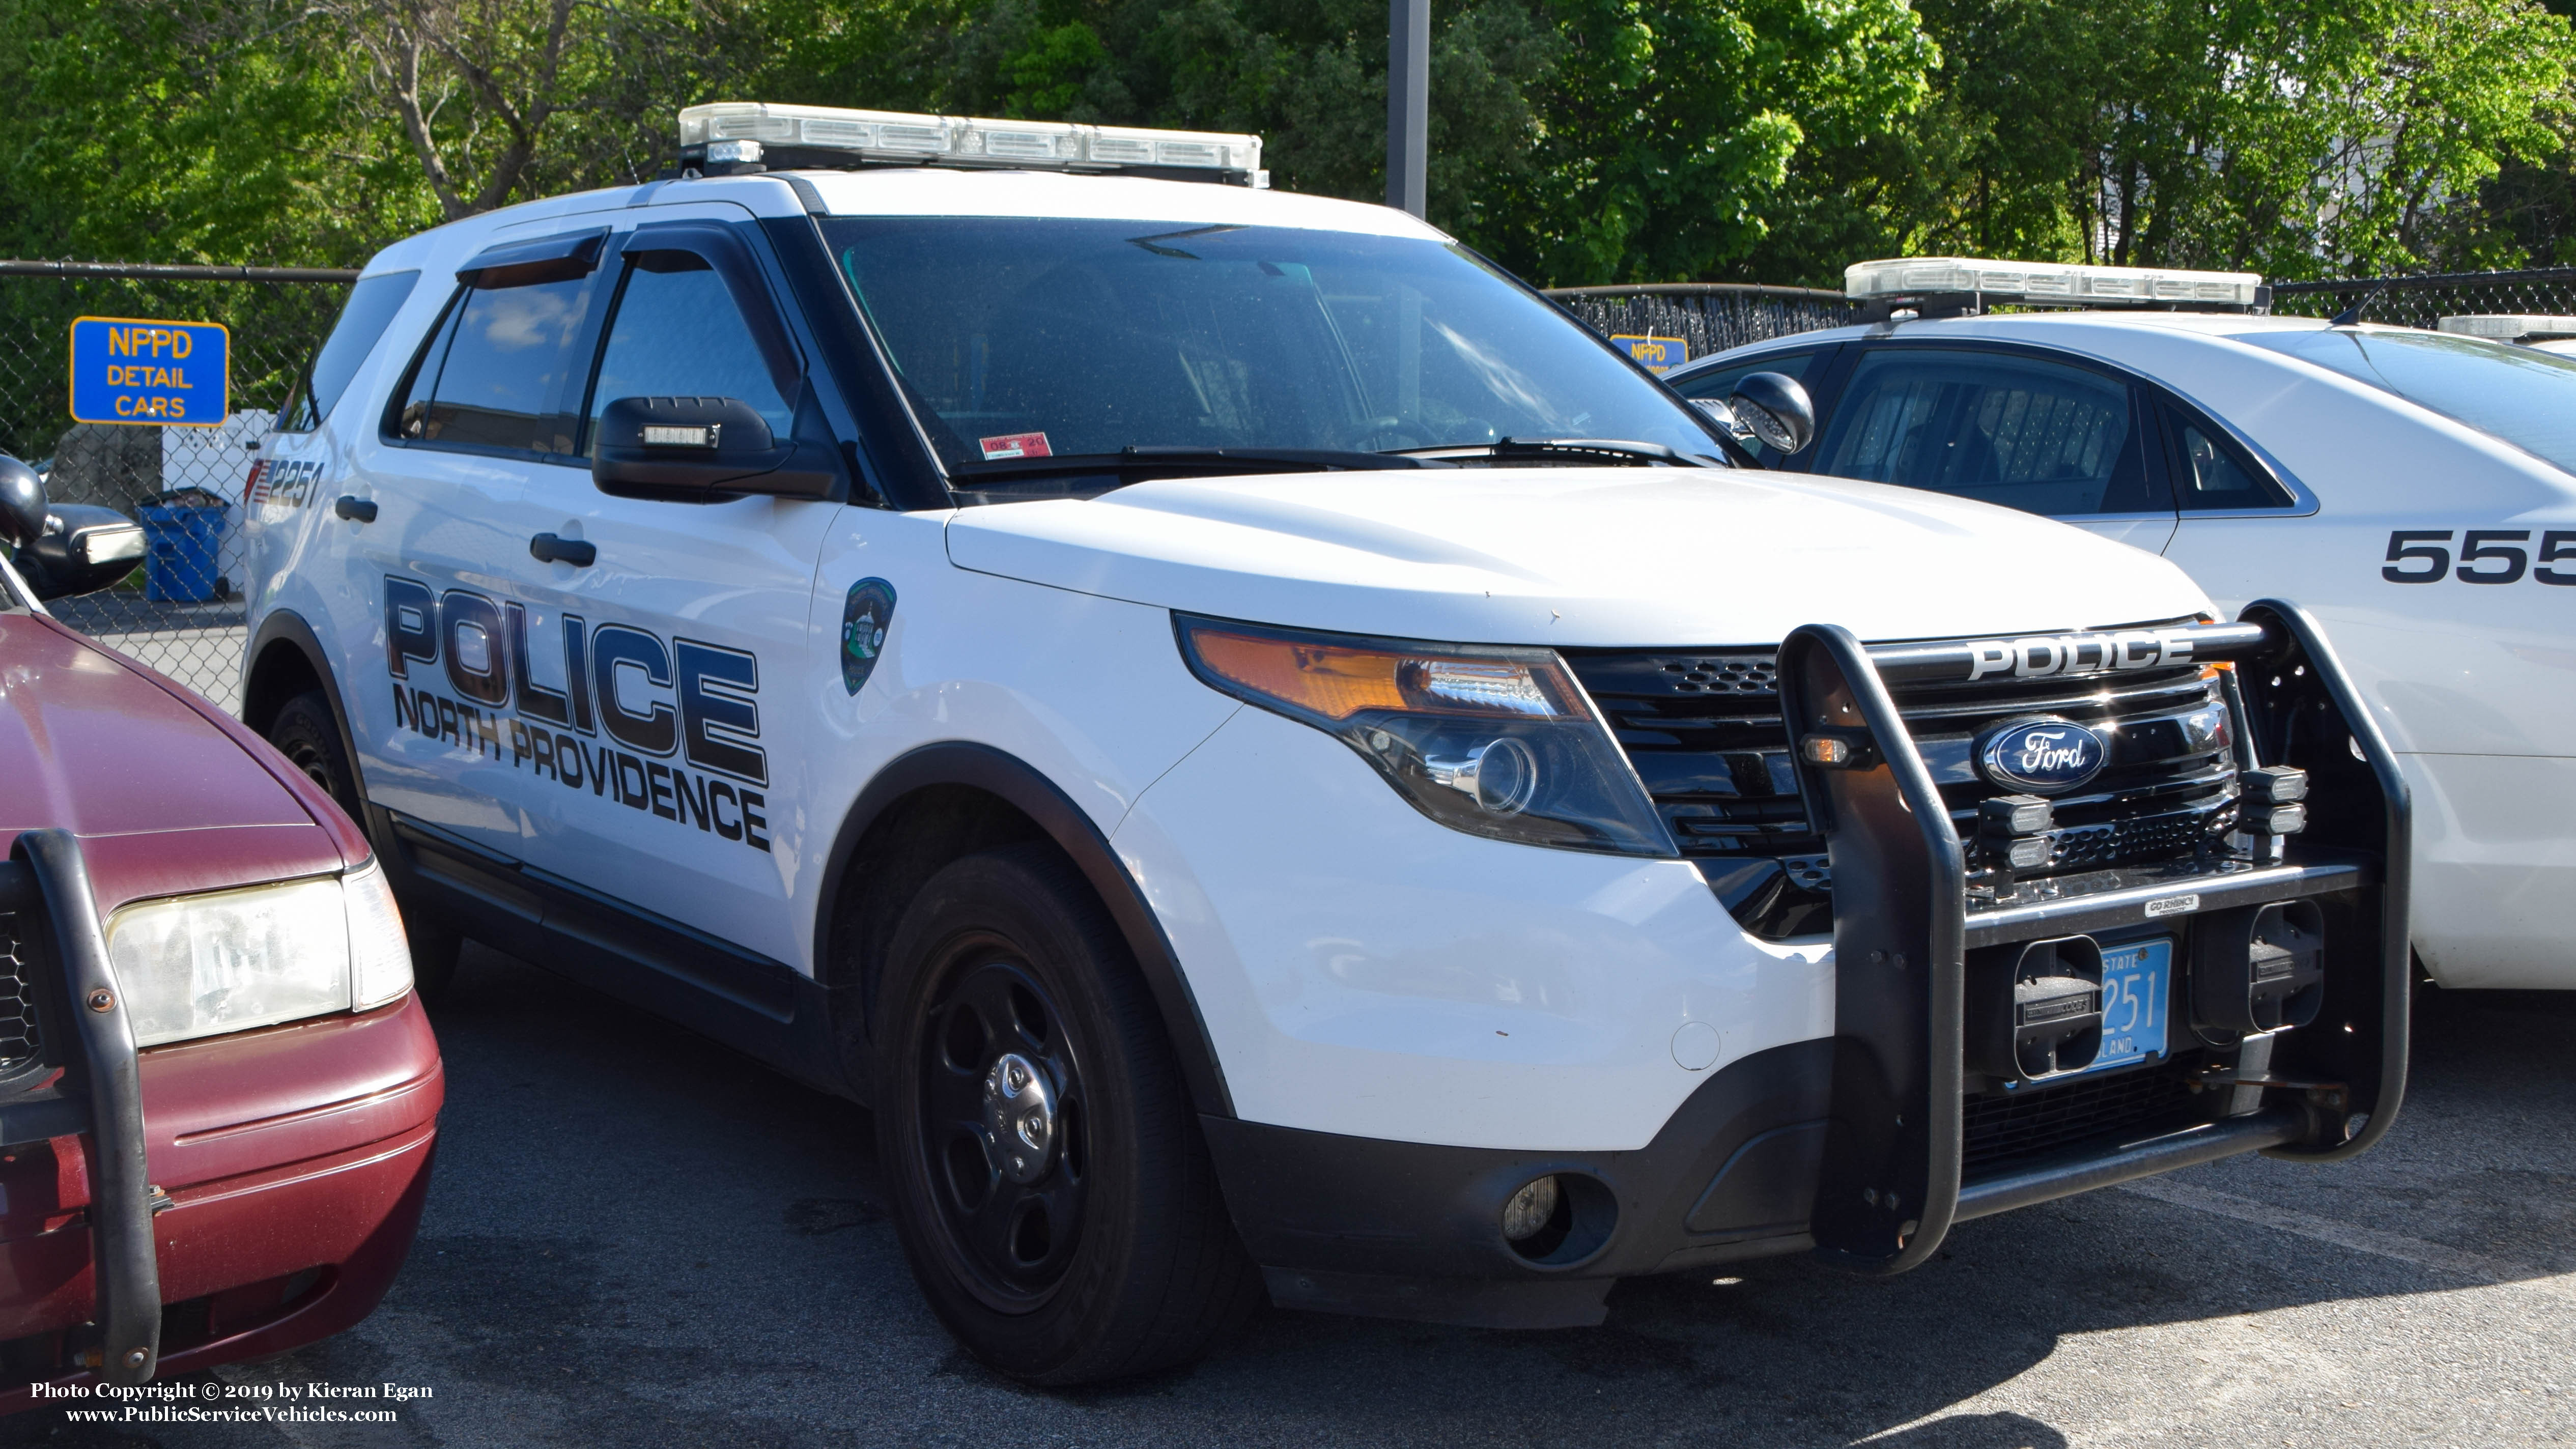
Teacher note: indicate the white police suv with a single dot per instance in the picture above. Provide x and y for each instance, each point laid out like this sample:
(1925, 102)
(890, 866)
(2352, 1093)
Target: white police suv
(2416, 490)
(1277, 761)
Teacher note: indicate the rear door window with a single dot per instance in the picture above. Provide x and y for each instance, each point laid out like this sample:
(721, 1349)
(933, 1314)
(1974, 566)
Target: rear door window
(2025, 432)
(2210, 470)
(370, 310)
(493, 376)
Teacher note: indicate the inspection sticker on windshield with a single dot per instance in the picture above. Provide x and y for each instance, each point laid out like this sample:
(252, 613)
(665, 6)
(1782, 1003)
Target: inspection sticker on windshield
(1015, 445)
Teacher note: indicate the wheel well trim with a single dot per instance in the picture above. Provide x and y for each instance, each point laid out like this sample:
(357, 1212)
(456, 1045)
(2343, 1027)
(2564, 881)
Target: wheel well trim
(1025, 788)
(285, 628)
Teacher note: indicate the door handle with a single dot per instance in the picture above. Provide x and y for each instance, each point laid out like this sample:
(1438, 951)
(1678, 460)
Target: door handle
(546, 548)
(358, 510)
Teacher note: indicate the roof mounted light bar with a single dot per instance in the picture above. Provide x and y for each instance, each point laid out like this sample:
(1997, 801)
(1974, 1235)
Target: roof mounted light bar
(737, 136)
(2510, 326)
(1897, 287)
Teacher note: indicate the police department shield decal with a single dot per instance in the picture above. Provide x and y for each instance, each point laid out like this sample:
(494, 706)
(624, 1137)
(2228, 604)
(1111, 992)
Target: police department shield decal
(865, 617)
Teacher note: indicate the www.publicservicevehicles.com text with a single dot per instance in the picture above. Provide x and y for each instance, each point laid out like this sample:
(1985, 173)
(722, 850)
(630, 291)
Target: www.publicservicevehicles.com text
(222, 1403)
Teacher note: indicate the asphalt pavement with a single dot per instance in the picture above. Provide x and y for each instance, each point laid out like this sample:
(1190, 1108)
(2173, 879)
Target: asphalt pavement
(637, 1238)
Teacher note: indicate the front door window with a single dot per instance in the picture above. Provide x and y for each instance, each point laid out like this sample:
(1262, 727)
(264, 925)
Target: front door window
(2024, 432)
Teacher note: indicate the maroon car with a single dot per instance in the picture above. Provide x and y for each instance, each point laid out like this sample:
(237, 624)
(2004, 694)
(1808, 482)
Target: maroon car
(218, 1093)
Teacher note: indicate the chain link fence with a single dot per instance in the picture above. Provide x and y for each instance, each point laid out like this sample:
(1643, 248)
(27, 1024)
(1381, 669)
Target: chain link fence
(1705, 317)
(2425, 301)
(182, 611)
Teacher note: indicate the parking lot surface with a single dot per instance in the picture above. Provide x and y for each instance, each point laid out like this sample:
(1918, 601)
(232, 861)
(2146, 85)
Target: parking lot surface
(637, 1238)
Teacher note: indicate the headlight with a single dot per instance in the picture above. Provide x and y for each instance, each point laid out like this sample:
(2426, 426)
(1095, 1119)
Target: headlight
(227, 961)
(1496, 742)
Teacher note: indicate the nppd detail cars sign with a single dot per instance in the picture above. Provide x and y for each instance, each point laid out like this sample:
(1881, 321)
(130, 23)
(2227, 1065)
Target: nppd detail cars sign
(127, 370)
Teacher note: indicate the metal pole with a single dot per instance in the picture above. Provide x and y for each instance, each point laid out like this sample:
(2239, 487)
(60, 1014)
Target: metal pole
(1408, 104)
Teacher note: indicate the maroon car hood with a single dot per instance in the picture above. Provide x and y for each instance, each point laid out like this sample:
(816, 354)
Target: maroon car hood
(166, 794)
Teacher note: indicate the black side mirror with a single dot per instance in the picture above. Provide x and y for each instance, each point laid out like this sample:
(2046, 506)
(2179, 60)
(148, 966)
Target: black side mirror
(1777, 409)
(88, 550)
(695, 449)
(22, 503)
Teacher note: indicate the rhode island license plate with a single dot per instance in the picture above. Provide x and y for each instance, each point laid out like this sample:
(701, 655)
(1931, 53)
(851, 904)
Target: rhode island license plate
(2136, 989)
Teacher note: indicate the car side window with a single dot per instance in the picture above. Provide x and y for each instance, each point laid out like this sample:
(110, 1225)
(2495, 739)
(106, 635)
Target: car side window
(1712, 389)
(2211, 471)
(2024, 432)
(363, 319)
(678, 332)
(1720, 384)
(493, 376)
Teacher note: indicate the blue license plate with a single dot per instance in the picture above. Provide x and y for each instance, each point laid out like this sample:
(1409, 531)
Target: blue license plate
(2136, 987)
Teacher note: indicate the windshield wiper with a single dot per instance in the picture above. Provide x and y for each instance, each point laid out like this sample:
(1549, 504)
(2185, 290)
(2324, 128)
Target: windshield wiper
(1615, 451)
(1132, 464)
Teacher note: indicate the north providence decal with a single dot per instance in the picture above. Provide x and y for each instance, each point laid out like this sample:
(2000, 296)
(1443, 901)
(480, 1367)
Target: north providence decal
(696, 705)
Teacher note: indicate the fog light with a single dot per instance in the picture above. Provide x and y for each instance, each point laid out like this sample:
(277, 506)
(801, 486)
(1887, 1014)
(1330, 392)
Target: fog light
(1529, 1210)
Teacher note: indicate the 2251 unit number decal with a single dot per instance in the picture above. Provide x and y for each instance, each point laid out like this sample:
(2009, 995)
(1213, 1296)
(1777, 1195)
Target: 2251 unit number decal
(2487, 556)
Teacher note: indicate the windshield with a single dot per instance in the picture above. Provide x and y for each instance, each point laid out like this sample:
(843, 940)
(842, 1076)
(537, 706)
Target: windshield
(1022, 338)
(2520, 394)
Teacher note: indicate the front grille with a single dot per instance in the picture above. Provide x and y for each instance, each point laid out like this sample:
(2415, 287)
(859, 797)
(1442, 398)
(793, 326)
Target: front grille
(20, 1042)
(1999, 1127)
(1703, 730)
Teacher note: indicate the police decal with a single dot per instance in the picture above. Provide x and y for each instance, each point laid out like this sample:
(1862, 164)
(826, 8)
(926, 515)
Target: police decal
(866, 615)
(670, 728)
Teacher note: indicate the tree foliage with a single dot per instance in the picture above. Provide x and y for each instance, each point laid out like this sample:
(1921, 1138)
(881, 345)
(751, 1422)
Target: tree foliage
(1574, 140)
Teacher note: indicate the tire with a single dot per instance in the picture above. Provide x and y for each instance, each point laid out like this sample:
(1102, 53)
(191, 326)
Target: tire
(1115, 1255)
(305, 732)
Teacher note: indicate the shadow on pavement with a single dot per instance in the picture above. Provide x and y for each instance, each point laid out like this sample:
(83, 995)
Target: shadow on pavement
(637, 1237)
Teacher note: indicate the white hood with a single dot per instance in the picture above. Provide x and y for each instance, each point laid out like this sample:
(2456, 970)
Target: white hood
(1576, 556)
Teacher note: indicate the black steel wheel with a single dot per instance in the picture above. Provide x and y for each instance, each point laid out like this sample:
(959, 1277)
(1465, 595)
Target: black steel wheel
(305, 732)
(1043, 1165)
(1001, 1122)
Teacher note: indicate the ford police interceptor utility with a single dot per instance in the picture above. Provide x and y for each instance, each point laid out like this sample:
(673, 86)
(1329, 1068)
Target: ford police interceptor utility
(1275, 760)
(2416, 490)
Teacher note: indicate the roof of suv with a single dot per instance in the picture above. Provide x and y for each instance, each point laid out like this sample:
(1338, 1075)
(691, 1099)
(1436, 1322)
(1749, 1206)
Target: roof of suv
(940, 191)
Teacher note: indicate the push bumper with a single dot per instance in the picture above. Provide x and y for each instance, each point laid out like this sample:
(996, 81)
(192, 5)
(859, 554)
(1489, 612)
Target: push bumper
(1859, 1146)
(172, 1209)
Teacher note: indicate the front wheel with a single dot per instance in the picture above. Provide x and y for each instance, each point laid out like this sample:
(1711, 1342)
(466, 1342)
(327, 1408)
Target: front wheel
(1053, 1193)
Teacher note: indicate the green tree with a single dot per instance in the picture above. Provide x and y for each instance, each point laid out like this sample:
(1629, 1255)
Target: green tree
(2296, 139)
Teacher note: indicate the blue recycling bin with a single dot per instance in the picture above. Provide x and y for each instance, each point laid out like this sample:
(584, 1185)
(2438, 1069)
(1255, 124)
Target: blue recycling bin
(182, 565)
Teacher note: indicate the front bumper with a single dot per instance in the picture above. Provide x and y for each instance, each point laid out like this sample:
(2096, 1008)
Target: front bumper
(1868, 1144)
(206, 1201)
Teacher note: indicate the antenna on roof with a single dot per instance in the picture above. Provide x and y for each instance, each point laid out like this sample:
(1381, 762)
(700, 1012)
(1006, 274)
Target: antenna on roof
(2351, 316)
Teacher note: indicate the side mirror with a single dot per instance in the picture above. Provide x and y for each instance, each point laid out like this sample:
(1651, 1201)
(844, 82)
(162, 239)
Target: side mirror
(22, 503)
(694, 449)
(88, 550)
(1777, 409)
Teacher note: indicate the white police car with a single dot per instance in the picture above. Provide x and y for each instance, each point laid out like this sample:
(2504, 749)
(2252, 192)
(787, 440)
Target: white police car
(1257, 745)
(2416, 490)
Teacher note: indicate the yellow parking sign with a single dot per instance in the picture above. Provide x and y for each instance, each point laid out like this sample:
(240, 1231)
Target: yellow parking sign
(1656, 354)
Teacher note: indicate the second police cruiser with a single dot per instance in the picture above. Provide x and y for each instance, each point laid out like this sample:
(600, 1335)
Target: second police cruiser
(1273, 759)
(2416, 489)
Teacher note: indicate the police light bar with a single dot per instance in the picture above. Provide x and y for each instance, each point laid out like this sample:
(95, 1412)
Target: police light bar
(749, 135)
(2510, 326)
(2052, 283)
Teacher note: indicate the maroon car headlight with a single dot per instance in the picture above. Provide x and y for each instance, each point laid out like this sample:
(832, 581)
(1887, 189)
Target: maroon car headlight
(226, 961)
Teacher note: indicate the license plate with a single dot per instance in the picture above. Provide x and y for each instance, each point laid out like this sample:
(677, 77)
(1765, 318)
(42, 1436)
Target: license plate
(2136, 982)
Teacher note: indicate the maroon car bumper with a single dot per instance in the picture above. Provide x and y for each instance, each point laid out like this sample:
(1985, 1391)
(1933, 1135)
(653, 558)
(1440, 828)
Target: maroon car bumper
(294, 1161)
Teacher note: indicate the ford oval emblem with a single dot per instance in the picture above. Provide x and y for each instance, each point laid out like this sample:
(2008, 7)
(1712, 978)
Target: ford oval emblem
(2041, 756)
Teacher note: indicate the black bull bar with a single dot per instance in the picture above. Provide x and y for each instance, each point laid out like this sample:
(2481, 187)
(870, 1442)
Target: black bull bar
(88, 1033)
(1891, 1185)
